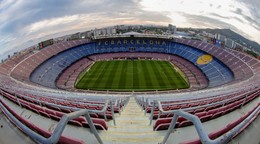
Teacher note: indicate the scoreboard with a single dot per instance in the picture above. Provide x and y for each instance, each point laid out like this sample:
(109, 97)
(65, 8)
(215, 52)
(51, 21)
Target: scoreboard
(46, 43)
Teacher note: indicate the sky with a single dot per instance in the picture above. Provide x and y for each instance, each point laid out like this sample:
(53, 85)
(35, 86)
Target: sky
(24, 23)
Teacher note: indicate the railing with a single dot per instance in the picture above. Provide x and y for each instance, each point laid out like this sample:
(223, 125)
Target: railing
(54, 138)
(105, 106)
(199, 128)
(150, 100)
(158, 103)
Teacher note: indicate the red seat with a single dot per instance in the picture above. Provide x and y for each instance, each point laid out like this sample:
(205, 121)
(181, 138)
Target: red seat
(97, 126)
(229, 110)
(205, 118)
(218, 114)
(184, 106)
(93, 115)
(218, 133)
(212, 111)
(63, 139)
(59, 114)
(200, 114)
(36, 107)
(54, 117)
(199, 110)
(185, 123)
(174, 107)
(66, 110)
(164, 126)
(92, 107)
(193, 104)
(197, 141)
(26, 106)
(170, 115)
(54, 108)
(181, 119)
(100, 121)
(35, 110)
(222, 109)
(67, 140)
(49, 111)
(44, 113)
(76, 123)
(109, 116)
(80, 119)
(161, 121)
(210, 108)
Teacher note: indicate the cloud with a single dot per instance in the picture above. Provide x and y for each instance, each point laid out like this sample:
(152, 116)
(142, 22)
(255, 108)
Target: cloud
(24, 13)
(226, 17)
(241, 15)
(28, 22)
(252, 16)
(239, 11)
(208, 22)
(36, 20)
(219, 16)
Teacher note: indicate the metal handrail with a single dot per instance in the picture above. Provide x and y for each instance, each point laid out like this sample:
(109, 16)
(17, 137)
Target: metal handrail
(77, 102)
(107, 102)
(55, 136)
(161, 111)
(150, 100)
(204, 138)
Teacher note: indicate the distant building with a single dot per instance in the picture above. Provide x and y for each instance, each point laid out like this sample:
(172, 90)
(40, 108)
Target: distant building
(110, 31)
(172, 29)
(97, 32)
(220, 37)
(75, 36)
(229, 43)
(238, 46)
(105, 31)
(113, 31)
(211, 35)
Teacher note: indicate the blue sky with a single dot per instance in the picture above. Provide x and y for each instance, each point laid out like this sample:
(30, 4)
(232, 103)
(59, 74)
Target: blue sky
(26, 22)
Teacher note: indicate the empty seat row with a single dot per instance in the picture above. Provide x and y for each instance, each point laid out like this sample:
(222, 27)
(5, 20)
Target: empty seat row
(163, 123)
(228, 127)
(40, 131)
(54, 114)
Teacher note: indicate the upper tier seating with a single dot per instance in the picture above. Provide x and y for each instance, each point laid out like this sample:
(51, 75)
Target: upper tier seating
(241, 68)
(69, 76)
(47, 73)
(23, 70)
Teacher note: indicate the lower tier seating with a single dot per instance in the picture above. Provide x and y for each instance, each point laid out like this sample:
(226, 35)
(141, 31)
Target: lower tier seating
(40, 131)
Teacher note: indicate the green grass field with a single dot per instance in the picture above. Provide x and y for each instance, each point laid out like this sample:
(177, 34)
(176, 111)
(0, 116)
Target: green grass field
(132, 75)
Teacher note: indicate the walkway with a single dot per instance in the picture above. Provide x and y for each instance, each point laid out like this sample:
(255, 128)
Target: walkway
(129, 130)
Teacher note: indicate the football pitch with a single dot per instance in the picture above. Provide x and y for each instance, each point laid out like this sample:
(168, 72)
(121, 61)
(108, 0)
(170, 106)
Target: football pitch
(132, 75)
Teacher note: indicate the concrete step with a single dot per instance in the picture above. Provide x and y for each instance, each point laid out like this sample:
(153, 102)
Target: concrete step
(143, 139)
(129, 129)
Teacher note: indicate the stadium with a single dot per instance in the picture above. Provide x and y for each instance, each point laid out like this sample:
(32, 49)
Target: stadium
(130, 88)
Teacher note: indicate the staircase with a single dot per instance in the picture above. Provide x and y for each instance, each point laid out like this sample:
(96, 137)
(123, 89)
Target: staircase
(131, 131)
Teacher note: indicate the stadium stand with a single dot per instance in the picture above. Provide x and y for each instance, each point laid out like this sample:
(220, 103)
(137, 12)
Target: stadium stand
(224, 93)
(69, 76)
(47, 73)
